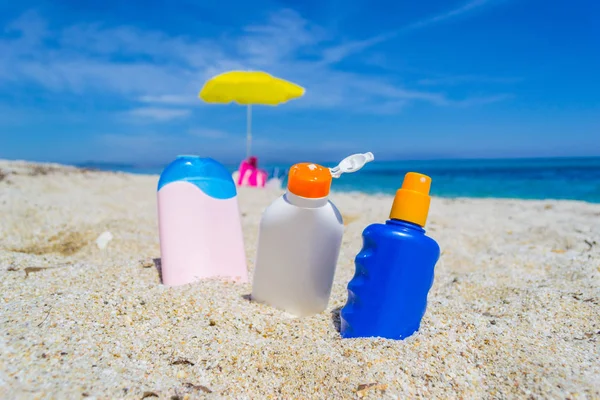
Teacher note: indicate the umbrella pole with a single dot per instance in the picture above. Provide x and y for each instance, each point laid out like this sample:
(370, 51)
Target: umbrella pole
(249, 131)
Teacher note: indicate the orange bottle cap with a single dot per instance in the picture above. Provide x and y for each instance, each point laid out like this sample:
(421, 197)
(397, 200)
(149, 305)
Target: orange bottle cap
(309, 180)
(412, 200)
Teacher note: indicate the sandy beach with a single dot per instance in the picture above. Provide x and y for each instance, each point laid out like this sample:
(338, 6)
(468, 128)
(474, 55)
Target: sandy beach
(514, 311)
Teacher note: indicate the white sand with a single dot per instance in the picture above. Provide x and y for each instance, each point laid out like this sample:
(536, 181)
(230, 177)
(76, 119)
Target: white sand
(514, 311)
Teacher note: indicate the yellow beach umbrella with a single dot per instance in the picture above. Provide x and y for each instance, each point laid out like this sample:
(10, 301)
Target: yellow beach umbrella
(248, 88)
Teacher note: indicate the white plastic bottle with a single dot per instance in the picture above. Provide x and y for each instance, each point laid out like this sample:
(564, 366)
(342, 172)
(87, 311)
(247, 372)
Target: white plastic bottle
(299, 241)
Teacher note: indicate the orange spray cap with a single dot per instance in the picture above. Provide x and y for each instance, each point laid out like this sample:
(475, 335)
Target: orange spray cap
(411, 203)
(309, 180)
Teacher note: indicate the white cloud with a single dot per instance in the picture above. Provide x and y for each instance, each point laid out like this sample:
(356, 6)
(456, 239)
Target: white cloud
(149, 147)
(160, 147)
(284, 35)
(483, 100)
(465, 8)
(338, 53)
(32, 28)
(159, 114)
(170, 99)
(461, 79)
(159, 70)
(208, 133)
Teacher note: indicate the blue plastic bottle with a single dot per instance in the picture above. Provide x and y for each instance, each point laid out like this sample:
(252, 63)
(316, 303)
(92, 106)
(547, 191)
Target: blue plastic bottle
(387, 296)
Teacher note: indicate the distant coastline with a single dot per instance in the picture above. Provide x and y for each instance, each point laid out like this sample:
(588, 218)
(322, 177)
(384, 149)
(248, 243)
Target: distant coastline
(567, 178)
(154, 166)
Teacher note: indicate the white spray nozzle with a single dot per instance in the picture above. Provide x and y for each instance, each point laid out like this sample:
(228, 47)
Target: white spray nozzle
(351, 164)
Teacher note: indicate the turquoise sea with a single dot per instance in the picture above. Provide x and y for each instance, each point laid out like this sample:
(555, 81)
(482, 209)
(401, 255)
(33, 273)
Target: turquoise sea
(552, 178)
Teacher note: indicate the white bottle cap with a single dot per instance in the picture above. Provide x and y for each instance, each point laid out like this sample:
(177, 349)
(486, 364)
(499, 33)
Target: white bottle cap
(351, 164)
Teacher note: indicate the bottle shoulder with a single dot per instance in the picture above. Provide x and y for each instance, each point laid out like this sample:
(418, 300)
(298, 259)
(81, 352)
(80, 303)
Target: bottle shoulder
(389, 244)
(391, 231)
(282, 212)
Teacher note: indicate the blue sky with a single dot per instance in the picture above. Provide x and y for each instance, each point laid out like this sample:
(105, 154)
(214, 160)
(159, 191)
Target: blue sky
(118, 81)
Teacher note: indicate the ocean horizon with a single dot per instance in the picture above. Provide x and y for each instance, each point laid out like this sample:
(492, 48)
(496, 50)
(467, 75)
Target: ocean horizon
(518, 178)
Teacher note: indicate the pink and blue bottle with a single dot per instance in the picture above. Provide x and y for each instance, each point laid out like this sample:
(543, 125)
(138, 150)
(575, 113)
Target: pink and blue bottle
(387, 297)
(199, 223)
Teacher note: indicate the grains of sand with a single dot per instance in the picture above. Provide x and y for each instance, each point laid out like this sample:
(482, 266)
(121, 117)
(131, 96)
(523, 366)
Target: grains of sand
(514, 311)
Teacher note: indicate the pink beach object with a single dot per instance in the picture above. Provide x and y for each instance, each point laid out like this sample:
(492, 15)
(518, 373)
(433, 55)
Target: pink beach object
(250, 175)
(199, 224)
